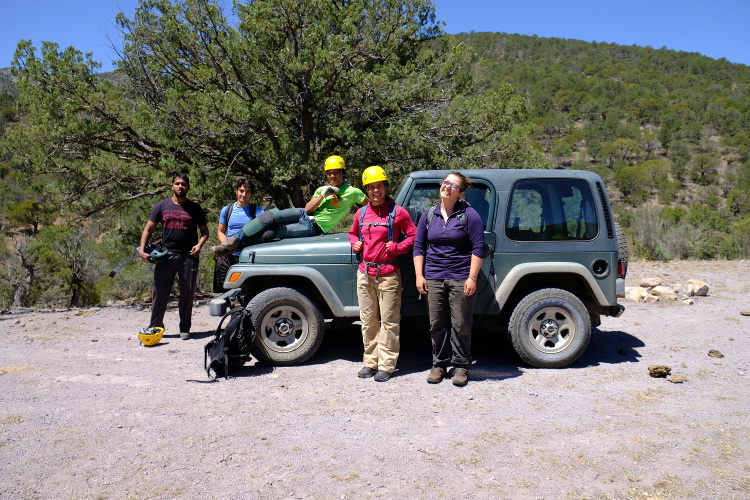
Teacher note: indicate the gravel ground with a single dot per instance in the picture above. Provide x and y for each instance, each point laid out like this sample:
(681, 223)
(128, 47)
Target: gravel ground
(88, 413)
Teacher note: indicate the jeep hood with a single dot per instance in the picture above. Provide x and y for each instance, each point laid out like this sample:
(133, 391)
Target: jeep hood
(325, 249)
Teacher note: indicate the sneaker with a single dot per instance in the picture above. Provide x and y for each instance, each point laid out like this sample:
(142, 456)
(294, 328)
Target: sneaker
(437, 374)
(185, 335)
(366, 372)
(382, 376)
(460, 376)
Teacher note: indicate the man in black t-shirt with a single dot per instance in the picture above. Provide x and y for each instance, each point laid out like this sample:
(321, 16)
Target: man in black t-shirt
(180, 218)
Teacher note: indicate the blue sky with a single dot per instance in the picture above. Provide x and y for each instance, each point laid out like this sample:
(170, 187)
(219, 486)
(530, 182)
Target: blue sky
(717, 28)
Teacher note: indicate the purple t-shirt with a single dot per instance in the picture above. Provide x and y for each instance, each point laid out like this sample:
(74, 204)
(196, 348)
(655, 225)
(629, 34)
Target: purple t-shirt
(179, 224)
(448, 246)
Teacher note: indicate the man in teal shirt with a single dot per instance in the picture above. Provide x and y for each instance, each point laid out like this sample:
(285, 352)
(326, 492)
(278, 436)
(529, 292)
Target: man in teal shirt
(327, 207)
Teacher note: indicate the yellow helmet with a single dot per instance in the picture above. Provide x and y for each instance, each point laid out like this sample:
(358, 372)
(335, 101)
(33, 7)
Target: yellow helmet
(335, 162)
(373, 174)
(151, 336)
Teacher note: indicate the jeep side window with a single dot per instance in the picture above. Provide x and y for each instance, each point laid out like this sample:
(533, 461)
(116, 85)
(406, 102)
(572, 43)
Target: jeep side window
(423, 197)
(551, 210)
(479, 197)
(427, 195)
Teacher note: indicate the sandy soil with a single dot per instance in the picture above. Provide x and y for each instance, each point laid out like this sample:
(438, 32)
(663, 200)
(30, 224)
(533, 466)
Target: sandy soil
(85, 412)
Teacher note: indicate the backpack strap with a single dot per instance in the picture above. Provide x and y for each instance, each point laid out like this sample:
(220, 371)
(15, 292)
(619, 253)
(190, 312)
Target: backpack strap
(361, 222)
(390, 223)
(462, 219)
(391, 220)
(461, 216)
(362, 219)
(430, 215)
(251, 208)
(230, 207)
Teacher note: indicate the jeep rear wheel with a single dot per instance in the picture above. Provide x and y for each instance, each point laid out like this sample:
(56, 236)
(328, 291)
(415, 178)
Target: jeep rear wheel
(288, 325)
(550, 328)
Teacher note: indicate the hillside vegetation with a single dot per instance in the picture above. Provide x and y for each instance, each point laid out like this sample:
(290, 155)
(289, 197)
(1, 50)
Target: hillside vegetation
(668, 131)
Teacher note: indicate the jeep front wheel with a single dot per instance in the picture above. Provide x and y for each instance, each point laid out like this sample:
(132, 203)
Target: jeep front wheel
(550, 328)
(288, 325)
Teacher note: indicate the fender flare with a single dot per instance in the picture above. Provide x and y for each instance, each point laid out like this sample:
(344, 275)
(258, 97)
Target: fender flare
(520, 271)
(314, 276)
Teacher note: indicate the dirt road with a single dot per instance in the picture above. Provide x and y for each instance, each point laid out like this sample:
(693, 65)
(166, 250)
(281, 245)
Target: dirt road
(85, 412)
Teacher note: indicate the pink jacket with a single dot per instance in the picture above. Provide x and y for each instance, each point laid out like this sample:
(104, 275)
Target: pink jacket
(374, 238)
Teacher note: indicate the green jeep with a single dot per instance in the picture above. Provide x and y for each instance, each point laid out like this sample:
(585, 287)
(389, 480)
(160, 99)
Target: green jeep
(559, 263)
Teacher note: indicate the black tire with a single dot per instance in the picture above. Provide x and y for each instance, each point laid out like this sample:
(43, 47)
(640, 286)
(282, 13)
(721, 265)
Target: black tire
(288, 326)
(550, 328)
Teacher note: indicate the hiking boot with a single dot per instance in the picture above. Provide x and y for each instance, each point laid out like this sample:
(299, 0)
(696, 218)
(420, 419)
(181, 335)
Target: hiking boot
(185, 335)
(382, 376)
(229, 246)
(269, 235)
(460, 376)
(437, 374)
(366, 372)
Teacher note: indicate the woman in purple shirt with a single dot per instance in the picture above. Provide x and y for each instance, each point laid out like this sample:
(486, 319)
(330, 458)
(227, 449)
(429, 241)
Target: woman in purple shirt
(447, 258)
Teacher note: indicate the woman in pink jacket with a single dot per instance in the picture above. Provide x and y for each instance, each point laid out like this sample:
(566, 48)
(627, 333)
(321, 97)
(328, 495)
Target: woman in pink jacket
(375, 235)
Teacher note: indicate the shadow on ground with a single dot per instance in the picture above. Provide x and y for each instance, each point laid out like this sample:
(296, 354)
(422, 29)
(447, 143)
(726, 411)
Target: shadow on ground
(493, 359)
(609, 348)
(493, 354)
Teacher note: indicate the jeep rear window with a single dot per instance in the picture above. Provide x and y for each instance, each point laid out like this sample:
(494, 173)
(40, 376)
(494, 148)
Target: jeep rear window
(551, 210)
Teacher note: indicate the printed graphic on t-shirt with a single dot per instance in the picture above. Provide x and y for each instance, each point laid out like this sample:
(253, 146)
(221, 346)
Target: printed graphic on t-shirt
(177, 219)
(334, 202)
(180, 224)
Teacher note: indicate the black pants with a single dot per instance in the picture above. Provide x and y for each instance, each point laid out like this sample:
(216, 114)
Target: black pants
(451, 317)
(223, 264)
(185, 268)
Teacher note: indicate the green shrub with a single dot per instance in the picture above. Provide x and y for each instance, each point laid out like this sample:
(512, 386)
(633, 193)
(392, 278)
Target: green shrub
(740, 237)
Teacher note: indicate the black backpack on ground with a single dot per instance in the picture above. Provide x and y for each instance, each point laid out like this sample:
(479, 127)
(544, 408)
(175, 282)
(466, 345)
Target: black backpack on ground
(230, 347)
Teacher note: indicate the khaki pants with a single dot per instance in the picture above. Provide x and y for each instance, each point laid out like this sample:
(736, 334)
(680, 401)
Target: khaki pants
(380, 312)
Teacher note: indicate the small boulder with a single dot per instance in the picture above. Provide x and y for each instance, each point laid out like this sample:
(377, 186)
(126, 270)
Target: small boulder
(657, 371)
(676, 379)
(633, 293)
(696, 288)
(650, 282)
(715, 354)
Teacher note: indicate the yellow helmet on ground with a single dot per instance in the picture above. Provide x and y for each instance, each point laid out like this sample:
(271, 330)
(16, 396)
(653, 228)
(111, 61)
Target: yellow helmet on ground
(151, 336)
(373, 174)
(335, 162)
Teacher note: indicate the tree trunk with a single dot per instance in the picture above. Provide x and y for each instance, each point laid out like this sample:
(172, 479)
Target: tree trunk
(23, 289)
(77, 286)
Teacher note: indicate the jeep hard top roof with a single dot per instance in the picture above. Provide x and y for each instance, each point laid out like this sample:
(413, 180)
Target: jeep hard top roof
(503, 178)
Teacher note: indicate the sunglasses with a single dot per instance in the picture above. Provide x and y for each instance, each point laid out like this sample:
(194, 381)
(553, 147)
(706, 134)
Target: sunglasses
(448, 184)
